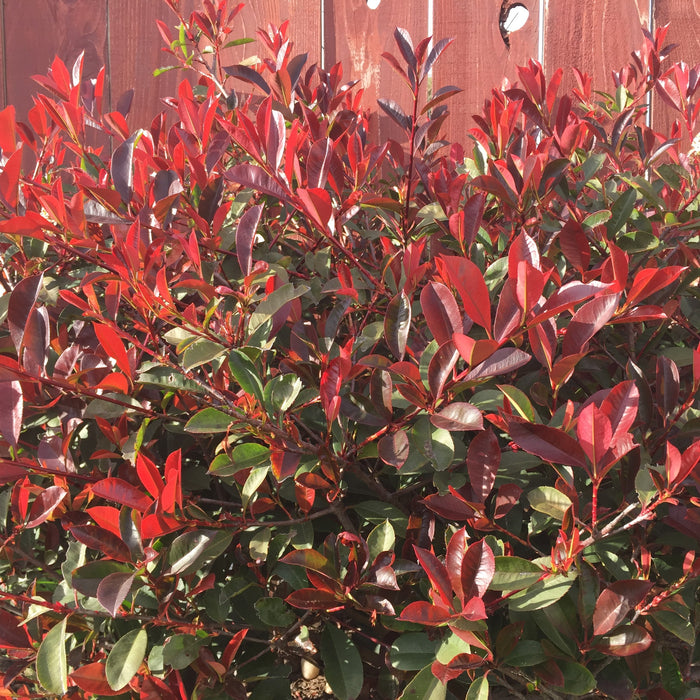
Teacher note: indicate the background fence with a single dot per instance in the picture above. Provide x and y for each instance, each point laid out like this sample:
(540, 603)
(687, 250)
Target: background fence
(596, 36)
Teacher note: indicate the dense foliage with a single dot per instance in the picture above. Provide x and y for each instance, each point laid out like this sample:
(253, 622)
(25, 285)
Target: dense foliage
(276, 398)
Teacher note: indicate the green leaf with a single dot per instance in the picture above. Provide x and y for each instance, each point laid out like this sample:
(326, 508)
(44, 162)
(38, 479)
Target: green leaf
(413, 651)
(541, 594)
(181, 650)
(526, 653)
(596, 219)
(243, 456)
(342, 663)
(435, 443)
(547, 500)
(246, 374)
(281, 392)
(621, 210)
(87, 578)
(425, 686)
(578, 680)
(676, 624)
(252, 484)
(209, 420)
(592, 165)
(274, 612)
(272, 303)
(520, 402)
(200, 352)
(51, 661)
(191, 550)
(378, 511)
(125, 658)
(381, 539)
(478, 690)
(514, 573)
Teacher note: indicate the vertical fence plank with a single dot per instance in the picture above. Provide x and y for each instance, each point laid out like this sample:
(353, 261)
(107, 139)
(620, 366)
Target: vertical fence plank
(595, 36)
(37, 30)
(356, 36)
(479, 59)
(683, 16)
(3, 77)
(135, 51)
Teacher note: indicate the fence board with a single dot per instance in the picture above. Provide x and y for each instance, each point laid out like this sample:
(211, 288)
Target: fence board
(135, 51)
(684, 30)
(595, 36)
(479, 59)
(37, 30)
(357, 36)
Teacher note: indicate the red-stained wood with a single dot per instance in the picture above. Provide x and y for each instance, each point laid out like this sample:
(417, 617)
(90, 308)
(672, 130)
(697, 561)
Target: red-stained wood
(135, 51)
(479, 59)
(3, 95)
(683, 17)
(595, 36)
(357, 36)
(37, 30)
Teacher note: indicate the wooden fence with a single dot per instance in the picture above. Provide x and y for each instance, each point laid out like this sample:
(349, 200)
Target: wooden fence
(596, 36)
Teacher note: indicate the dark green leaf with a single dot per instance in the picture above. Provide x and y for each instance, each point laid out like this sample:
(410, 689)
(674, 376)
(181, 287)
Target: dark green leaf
(342, 663)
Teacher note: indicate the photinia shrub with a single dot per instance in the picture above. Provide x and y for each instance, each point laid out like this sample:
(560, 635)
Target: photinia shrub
(289, 413)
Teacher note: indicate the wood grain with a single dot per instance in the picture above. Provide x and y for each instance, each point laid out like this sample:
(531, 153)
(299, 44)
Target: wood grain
(479, 59)
(135, 51)
(37, 30)
(357, 36)
(595, 36)
(683, 16)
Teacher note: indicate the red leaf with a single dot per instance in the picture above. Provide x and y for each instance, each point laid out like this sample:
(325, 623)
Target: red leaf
(587, 321)
(11, 406)
(313, 599)
(13, 635)
(318, 162)
(112, 591)
(397, 323)
(551, 444)
(454, 557)
(574, 245)
(437, 574)
(616, 601)
(22, 300)
(629, 640)
(478, 567)
(317, 205)
(232, 647)
(156, 524)
(651, 280)
(149, 475)
(256, 179)
(92, 679)
(473, 214)
(565, 298)
(483, 460)
(667, 385)
(506, 498)
(245, 237)
(115, 489)
(9, 179)
(424, 613)
(111, 343)
(310, 559)
(284, 464)
(456, 666)
(502, 361)
(441, 312)
(44, 505)
(394, 449)
(449, 506)
(529, 285)
(440, 368)
(458, 416)
(474, 609)
(106, 517)
(509, 315)
(620, 406)
(594, 433)
(101, 540)
(469, 282)
(8, 135)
